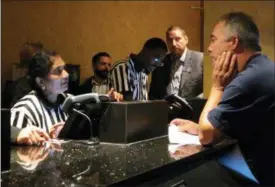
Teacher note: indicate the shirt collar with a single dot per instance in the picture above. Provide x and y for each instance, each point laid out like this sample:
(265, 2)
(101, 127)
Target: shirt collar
(183, 56)
(94, 82)
(131, 62)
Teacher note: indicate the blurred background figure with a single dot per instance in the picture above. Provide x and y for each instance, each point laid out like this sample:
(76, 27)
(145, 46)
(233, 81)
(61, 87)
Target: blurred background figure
(21, 87)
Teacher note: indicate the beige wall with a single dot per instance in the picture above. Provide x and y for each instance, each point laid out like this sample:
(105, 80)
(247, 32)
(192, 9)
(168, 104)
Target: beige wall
(261, 11)
(79, 29)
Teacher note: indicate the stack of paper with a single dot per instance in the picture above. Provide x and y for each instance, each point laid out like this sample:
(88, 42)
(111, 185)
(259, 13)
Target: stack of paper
(177, 137)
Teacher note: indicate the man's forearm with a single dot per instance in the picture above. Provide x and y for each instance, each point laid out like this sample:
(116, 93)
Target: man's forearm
(207, 132)
(213, 100)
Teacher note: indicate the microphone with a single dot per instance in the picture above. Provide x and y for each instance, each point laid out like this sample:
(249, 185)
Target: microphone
(68, 106)
(71, 100)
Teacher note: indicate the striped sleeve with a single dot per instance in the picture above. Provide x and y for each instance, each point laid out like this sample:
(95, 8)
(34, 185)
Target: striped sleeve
(26, 111)
(19, 119)
(30, 111)
(119, 77)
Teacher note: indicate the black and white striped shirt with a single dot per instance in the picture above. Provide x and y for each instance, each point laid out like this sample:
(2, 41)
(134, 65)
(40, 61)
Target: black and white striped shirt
(126, 79)
(30, 110)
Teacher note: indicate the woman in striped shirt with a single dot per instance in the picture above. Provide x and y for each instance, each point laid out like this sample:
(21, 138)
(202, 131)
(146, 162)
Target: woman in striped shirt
(37, 116)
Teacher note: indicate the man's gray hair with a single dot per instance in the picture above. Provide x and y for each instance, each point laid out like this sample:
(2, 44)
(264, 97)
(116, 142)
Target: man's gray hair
(242, 25)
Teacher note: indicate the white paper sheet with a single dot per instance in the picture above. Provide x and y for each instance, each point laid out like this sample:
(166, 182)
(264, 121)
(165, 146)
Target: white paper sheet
(172, 148)
(177, 137)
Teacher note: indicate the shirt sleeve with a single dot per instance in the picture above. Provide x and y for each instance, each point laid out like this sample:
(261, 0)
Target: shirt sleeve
(230, 116)
(19, 119)
(14, 133)
(119, 77)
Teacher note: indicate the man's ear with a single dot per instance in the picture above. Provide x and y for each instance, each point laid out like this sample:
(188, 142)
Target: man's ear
(93, 67)
(40, 82)
(186, 39)
(236, 45)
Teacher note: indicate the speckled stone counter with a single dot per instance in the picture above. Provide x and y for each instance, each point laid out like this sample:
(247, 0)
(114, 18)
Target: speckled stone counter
(77, 164)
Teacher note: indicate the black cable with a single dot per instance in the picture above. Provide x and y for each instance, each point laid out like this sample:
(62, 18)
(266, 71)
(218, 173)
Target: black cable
(94, 140)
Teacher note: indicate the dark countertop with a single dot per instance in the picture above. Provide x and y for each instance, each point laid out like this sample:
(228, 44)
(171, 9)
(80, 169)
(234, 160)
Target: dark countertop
(74, 163)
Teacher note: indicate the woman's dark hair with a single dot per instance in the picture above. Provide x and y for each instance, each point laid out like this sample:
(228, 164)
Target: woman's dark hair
(40, 66)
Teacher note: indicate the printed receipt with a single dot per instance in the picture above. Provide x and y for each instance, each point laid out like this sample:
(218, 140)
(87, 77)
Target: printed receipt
(177, 137)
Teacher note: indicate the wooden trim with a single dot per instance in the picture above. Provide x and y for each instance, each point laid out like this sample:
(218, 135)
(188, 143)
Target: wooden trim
(202, 25)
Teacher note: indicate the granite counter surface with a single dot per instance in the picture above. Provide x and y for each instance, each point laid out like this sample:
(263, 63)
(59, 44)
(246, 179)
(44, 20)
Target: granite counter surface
(75, 163)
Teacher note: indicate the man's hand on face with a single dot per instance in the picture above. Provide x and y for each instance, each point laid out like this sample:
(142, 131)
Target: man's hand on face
(224, 70)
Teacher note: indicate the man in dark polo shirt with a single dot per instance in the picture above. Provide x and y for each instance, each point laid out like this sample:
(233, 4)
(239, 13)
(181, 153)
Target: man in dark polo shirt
(241, 102)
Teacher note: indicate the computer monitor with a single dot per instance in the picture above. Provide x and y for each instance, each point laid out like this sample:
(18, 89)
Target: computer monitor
(84, 116)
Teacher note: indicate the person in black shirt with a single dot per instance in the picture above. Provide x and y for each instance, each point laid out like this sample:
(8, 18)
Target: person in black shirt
(241, 102)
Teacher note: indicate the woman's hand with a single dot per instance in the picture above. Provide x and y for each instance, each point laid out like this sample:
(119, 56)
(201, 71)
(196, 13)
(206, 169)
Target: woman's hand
(55, 130)
(31, 135)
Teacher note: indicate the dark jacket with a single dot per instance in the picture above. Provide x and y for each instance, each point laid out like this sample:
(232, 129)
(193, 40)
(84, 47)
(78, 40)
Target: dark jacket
(191, 84)
(87, 86)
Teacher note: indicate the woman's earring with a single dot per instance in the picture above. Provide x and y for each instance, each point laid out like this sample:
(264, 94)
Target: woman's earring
(43, 87)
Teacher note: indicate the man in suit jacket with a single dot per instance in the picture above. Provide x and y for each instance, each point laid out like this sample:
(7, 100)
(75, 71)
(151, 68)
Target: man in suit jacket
(182, 72)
